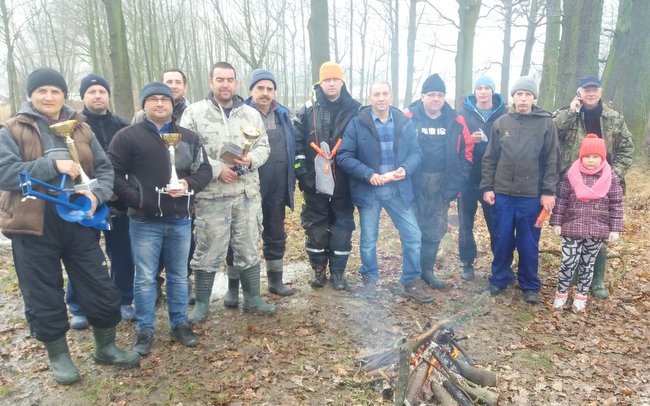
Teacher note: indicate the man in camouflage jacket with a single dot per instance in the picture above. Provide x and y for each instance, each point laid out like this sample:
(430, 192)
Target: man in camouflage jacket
(588, 114)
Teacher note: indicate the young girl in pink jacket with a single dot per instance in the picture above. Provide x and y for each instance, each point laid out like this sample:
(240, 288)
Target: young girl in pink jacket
(588, 211)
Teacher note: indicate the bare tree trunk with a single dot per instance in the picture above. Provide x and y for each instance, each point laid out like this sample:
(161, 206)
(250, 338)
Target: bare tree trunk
(627, 83)
(119, 59)
(551, 55)
(318, 26)
(12, 77)
(530, 36)
(507, 48)
(468, 11)
(581, 23)
(351, 67)
(394, 47)
(410, 51)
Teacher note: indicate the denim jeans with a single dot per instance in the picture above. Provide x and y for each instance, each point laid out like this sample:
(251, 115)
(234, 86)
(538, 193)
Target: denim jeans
(409, 233)
(148, 239)
(514, 227)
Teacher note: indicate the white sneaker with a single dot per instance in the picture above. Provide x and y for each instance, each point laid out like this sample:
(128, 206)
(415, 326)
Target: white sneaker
(560, 300)
(579, 303)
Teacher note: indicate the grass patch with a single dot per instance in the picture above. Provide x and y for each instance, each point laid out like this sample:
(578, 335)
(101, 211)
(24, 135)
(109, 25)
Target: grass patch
(539, 360)
(524, 316)
(7, 390)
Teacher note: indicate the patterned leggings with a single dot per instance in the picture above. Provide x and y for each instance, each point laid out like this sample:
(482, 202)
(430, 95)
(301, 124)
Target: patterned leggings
(577, 253)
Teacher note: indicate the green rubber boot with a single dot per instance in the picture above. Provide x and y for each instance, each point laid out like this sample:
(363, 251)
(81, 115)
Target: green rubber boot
(203, 282)
(106, 352)
(58, 354)
(250, 284)
(274, 274)
(598, 287)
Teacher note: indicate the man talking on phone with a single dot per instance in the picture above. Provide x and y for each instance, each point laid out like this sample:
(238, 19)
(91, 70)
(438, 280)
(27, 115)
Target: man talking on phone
(588, 114)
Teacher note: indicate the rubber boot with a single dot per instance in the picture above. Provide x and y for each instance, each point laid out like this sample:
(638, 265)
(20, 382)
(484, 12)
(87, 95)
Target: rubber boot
(427, 261)
(191, 298)
(598, 287)
(250, 285)
(107, 353)
(338, 280)
(203, 282)
(320, 276)
(274, 275)
(231, 299)
(58, 354)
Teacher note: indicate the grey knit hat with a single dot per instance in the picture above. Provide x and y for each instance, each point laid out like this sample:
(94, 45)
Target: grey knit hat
(261, 74)
(91, 80)
(525, 83)
(45, 77)
(155, 88)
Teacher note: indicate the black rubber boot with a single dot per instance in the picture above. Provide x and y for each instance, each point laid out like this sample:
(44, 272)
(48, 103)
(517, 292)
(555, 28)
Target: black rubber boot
(250, 285)
(338, 280)
(428, 255)
(58, 354)
(598, 287)
(203, 282)
(468, 272)
(320, 276)
(274, 275)
(107, 353)
(231, 299)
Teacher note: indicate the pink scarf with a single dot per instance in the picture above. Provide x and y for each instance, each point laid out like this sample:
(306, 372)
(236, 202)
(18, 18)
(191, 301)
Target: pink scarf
(599, 189)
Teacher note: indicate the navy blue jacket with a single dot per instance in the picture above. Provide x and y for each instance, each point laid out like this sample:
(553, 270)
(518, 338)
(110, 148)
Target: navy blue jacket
(283, 116)
(360, 155)
(458, 160)
(474, 121)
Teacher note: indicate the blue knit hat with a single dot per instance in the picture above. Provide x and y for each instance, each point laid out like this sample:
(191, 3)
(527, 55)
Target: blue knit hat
(155, 88)
(487, 81)
(261, 74)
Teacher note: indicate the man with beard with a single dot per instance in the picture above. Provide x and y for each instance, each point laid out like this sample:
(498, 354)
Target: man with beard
(327, 213)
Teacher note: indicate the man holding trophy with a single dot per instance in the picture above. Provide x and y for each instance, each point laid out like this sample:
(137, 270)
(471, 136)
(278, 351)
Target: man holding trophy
(228, 212)
(159, 167)
(41, 239)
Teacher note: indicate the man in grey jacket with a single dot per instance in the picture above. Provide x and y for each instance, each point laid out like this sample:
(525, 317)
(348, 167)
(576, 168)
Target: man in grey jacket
(228, 211)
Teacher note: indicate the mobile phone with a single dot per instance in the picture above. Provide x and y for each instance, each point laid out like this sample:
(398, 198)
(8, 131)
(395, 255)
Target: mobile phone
(580, 100)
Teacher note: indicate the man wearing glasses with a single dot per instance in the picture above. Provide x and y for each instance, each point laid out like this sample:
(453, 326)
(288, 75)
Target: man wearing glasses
(446, 162)
(159, 209)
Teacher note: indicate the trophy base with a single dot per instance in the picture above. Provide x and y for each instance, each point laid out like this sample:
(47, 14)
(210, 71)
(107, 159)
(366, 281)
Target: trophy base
(86, 186)
(173, 186)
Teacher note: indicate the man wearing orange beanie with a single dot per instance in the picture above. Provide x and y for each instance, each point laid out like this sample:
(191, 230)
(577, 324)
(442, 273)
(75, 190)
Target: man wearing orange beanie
(327, 211)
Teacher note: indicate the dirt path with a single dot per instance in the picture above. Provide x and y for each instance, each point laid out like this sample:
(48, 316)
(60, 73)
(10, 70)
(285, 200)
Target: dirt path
(306, 355)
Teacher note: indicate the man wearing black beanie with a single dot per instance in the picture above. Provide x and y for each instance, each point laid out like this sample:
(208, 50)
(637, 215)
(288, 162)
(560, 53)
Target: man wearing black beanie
(95, 93)
(447, 160)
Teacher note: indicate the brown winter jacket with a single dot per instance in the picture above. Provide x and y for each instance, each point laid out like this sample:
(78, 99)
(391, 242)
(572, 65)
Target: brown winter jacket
(26, 217)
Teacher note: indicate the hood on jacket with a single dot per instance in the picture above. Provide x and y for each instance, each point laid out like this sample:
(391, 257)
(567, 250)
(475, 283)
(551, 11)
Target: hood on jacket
(279, 108)
(537, 111)
(497, 102)
(320, 98)
(417, 108)
(27, 109)
(237, 100)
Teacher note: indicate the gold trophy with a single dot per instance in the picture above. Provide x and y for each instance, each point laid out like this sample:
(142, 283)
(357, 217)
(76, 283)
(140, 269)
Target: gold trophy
(64, 129)
(172, 140)
(232, 151)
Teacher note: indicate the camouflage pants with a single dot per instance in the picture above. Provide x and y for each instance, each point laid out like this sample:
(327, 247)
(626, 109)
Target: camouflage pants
(229, 220)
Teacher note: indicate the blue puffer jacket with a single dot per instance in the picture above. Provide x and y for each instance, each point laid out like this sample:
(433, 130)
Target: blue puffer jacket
(360, 155)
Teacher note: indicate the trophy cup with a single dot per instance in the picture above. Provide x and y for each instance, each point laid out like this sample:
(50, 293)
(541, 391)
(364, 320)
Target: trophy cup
(64, 129)
(172, 140)
(232, 151)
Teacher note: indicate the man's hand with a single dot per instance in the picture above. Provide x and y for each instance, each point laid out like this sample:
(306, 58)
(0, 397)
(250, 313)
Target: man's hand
(179, 192)
(244, 161)
(399, 173)
(376, 179)
(227, 175)
(93, 201)
(488, 197)
(548, 202)
(476, 137)
(613, 236)
(557, 230)
(69, 167)
(576, 104)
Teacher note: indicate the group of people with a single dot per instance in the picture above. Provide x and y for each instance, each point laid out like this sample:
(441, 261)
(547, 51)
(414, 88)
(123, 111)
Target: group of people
(192, 186)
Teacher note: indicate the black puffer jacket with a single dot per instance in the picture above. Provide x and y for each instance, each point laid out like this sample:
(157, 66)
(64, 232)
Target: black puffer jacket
(322, 120)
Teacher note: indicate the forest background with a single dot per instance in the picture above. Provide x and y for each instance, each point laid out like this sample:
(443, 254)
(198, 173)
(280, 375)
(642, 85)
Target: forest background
(402, 41)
